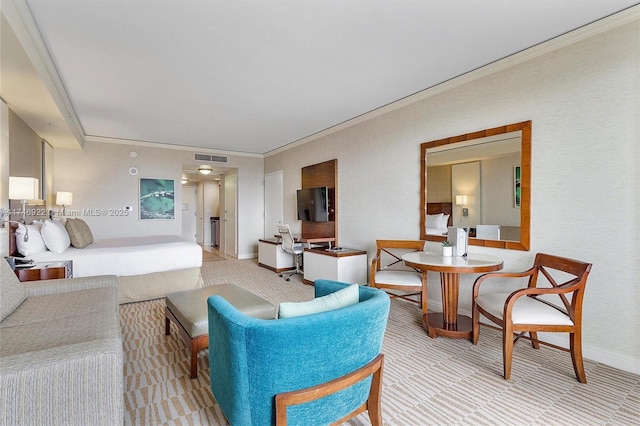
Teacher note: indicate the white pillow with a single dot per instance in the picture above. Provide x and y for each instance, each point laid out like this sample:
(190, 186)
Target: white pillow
(444, 220)
(339, 299)
(435, 220)
(55, 236)
(35, 244)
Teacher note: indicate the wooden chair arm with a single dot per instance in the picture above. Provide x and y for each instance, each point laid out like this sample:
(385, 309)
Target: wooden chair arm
(374, 367)
(375, 267)
(484, 277)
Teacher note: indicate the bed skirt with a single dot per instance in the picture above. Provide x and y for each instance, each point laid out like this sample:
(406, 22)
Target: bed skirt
(137, 288)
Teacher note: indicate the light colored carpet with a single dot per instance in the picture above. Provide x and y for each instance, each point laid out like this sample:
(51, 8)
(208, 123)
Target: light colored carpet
(426, 381)
(210, 257)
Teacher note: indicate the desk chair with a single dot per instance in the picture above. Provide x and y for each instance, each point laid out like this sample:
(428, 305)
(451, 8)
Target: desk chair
(289, 245)
(488, 232)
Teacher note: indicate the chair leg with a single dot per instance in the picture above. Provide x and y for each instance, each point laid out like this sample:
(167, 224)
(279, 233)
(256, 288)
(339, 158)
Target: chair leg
(575, 345)
(374, 402)
(296, 271)
(534, 339)
(475, 324)
(507, 350)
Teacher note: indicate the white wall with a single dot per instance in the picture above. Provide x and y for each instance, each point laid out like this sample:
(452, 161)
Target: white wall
(4, 175)
(583, 103)
(98, 177)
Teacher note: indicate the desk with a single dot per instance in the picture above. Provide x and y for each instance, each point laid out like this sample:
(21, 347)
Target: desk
(449, 323)
(345, 265)
(309, 241)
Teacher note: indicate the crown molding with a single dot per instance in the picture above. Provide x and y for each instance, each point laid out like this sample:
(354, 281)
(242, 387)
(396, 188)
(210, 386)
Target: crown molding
(159, 145)
(19, 17)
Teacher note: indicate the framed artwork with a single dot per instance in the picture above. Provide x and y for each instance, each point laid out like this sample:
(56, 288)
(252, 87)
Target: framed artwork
(516, 186)
(157, 199)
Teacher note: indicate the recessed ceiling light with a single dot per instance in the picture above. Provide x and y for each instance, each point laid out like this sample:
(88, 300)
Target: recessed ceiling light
(205, 170)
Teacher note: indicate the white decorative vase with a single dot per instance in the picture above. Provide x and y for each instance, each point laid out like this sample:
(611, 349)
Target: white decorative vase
(447, 251)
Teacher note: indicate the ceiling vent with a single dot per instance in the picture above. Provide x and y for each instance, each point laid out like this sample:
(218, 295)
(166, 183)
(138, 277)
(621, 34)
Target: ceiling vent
(212, 158)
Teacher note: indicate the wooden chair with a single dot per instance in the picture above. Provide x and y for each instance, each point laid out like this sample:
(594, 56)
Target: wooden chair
(554, 306)
(389, 273)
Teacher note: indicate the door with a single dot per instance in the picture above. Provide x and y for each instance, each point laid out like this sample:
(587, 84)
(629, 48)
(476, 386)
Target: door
(273, 201)
(230, 215)
(189, 213)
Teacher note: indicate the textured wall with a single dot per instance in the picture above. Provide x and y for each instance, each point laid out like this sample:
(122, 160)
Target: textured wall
(583, 103)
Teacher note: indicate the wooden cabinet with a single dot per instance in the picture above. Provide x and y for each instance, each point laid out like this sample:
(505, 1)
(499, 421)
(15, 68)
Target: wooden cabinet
(46, 271)
(346, 265)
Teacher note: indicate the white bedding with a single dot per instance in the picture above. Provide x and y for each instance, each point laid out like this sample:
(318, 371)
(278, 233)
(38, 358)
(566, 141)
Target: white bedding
(129, 256)
(437, 231)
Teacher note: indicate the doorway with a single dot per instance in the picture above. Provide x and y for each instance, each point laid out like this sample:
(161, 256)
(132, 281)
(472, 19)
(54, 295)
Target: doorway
(230, 216)
(189, 213)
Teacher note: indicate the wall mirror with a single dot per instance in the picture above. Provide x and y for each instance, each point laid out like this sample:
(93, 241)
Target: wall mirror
(480, 181)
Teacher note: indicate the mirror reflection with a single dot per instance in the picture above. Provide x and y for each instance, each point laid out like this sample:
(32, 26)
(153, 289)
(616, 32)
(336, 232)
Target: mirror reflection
(479, 181)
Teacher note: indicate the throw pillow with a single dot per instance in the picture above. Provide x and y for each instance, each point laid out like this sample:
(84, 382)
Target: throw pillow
(12, 294)
(434, 220)
(55, 236)
(342, 298)
(35, 243)
(79, 233)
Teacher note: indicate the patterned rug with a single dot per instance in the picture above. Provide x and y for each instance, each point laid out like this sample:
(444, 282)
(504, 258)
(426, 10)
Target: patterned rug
(426, 381)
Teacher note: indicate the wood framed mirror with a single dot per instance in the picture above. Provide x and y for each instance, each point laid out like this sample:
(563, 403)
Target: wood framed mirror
(491, 183)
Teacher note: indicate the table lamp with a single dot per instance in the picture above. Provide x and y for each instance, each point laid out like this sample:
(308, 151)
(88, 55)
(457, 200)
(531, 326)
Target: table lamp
(64, 199)
(24, 189)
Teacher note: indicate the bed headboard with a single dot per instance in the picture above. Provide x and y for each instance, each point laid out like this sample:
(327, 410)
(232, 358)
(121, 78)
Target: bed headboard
(446, 208)
(13, 248)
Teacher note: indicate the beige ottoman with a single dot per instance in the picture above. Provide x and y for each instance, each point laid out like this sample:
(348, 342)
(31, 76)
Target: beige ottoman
(189, 311)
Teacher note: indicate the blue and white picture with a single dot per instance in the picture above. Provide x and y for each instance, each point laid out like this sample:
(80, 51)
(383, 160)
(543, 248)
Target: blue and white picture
(157, 199)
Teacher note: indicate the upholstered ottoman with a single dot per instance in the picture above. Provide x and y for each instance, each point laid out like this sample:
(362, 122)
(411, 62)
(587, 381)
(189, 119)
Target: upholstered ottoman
(188, 310)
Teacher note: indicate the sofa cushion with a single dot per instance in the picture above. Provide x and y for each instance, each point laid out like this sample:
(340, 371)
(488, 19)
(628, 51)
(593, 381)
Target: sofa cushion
(79, 233)
(346, 297)
(12, 294)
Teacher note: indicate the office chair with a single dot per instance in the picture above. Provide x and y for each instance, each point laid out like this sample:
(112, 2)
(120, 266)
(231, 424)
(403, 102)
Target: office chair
(289, 245)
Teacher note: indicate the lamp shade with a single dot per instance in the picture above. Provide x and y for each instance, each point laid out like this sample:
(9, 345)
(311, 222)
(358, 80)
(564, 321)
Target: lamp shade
(23, 188)
(64, 198)
(461, 200)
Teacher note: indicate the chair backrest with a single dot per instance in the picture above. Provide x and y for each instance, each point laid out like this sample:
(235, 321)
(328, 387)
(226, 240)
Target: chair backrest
(287, 241)
(488, 232)
(389, 253)
(564, 274)
(255, 359)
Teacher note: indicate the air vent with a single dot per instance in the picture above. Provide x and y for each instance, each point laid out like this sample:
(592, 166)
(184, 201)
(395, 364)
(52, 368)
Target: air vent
(212, 158)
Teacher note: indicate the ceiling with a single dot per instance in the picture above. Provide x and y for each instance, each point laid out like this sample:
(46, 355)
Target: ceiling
(250, 77)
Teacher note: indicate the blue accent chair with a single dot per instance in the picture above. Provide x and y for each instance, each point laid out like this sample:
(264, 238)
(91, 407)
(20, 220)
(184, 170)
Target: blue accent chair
(263, 372)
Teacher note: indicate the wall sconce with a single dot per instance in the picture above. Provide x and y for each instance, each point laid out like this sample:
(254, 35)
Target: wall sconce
(461, 200)
(23, 188)
(64, 199)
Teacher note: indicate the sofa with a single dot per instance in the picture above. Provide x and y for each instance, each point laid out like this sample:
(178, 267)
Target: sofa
(61, 356)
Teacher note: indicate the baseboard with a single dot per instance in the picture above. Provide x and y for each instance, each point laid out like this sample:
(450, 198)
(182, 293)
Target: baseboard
(622, 362)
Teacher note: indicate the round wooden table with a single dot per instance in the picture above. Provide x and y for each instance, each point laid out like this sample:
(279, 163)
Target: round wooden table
(449, 323)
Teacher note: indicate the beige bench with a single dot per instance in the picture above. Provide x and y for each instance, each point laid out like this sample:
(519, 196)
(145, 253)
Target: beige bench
(188, 310)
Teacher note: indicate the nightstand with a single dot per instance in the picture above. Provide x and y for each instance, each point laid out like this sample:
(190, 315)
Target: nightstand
(46, 271)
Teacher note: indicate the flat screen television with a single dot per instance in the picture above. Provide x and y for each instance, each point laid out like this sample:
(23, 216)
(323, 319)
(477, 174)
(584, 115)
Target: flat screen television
(313, 204)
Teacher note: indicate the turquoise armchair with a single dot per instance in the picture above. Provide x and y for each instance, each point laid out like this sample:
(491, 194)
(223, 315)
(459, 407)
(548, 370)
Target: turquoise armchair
(254, 362)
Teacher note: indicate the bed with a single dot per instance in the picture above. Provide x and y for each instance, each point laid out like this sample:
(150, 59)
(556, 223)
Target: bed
(438, 218)
(147, 267)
